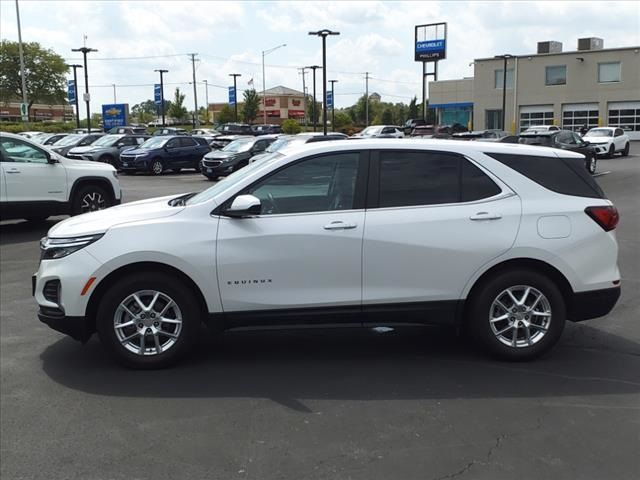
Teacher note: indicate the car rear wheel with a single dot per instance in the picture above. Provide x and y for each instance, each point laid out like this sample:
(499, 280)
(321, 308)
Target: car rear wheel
(625, 152)
(89, 199)
(156, 167)
(517, 315)
(148, 320)
(592, 164)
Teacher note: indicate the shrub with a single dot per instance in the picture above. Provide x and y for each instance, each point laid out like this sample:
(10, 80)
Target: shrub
(291, 127)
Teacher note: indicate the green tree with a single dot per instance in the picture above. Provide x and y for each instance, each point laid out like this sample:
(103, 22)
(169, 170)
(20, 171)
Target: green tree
(291, 127)
(45, 74)
(226, 115)
(251, 106)
(342, 120)
(177, 109)
(387, 116)
(413, 108)
(310, 110)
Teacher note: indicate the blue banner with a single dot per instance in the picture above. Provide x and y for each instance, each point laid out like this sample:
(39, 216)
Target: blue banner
(232, 95)
(431, 49)
(329, 99)
(71, 91)
(114, 115)
(157, 94)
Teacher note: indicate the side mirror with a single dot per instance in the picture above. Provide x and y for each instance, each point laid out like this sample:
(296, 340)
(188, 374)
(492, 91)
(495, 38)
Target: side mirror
(244, 206)
(120, 145)
(51, 159)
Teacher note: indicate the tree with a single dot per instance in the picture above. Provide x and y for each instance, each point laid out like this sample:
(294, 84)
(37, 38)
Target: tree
(342, 120)
(251, 106)
(310, 110)
(45, 74)
(387, 117)
(226, 115)
(413, 108)
(291, 127)
(177, 109)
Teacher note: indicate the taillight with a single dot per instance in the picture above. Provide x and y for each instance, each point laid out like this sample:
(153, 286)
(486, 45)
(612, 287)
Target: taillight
(606, 216)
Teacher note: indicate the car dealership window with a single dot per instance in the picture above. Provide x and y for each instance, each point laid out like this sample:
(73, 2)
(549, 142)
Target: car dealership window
(499, 78)
(556, 75)
(609, 72)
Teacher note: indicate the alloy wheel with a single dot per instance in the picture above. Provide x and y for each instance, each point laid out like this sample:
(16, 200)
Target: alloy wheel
(520, 316)
(91, 202)
(157, 167)
(148, 322)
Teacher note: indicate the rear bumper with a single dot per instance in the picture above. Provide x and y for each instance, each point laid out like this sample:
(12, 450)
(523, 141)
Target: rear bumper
(592, 304)
(76, 327)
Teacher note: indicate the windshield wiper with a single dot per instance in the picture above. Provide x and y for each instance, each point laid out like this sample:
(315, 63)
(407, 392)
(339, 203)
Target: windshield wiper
(181, 200)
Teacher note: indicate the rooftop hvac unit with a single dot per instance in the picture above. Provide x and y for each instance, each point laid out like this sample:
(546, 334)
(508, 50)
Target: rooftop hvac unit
(550, 47)
(591, 43)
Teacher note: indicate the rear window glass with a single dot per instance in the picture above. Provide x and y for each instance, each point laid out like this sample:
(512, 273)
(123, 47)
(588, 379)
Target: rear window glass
(561, 175)
(476, 184)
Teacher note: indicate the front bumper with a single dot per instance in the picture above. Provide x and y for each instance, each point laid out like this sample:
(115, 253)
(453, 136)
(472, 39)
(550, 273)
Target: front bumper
(216, 171)
(601, 148)
(76, 327)
(132, 165)
(592, 304)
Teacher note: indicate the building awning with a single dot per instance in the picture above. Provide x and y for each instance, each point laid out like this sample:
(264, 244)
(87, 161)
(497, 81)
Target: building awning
(451, 105)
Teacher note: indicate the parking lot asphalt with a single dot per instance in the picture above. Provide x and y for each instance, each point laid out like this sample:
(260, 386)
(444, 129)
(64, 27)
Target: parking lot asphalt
(354, 404)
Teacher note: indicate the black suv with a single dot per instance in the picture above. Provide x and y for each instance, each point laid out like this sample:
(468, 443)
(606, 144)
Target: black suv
(234, 156)
(564, 139)
(235, 129)
(266, 129)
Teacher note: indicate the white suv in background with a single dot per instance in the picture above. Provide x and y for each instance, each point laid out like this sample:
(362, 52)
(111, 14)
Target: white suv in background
(608, 141)
(37, 182)
(506, 241)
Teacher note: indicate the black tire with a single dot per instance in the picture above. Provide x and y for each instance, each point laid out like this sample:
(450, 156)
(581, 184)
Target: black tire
(156, 167)
(90, 198)
(108, 159)
(592, 164)
(625, 152)
(213, 178)
(184, 299)
(480, 310)
(611, 152)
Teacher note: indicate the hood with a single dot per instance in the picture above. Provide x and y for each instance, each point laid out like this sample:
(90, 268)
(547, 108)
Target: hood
(138, 151)
(103, 220)
(218, 155)
(597, 139)
(83, 149)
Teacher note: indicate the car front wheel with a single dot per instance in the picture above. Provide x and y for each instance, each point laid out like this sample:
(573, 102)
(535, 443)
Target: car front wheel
(625, 152)
(89, 199)
(156, 167)
(148, 320)
(517, 315)
(592, 164)
(611, 152)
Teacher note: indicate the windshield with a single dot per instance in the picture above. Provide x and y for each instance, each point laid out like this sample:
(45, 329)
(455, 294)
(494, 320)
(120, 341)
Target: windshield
(371, 131)
(533, 140)
(599, 132)
(156, 142)
(240, 145)
(68, 140)
(232, 179)
(278, 144)
(106, 141)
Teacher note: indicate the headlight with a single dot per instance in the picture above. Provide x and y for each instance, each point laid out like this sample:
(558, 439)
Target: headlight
(115, 174)
(52, 248)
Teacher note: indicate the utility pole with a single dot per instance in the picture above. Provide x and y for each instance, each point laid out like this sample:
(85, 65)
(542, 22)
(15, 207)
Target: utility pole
(196, 122)
(303, 72)
(366, 99)
(206, 95)
(324, 33)
(504, 87)
(22, 75)
(333, 105)
(235, 93)
(264, 98)
(161, 71)
(87, 98)
(75, 86)
(314, 117)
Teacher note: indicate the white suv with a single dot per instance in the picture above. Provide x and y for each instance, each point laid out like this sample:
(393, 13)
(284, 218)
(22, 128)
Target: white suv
(37, 182)
(506, 241)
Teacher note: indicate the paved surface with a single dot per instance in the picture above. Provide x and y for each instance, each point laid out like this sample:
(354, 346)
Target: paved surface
(322, 405)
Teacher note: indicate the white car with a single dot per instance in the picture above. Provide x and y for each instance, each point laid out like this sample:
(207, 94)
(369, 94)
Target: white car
(506, 241)
(608, 141)
(36, 182)
(381, 131)
(542, 128)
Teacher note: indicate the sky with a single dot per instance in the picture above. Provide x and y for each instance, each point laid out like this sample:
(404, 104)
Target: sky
(136, 37)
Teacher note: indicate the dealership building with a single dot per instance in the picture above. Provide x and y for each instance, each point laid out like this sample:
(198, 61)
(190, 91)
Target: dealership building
(10, 112)
(590, 86)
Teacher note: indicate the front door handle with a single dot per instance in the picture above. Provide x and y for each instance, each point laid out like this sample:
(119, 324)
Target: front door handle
(14, 170)
(485, 216)
(339, 225)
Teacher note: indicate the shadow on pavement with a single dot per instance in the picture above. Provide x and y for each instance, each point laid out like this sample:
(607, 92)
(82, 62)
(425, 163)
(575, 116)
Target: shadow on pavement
(22, 231)
(289, 367)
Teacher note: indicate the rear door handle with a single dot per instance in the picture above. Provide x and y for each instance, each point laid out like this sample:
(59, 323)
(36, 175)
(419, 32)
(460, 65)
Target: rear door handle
(485, 216)
(339, 225)
(14, 170)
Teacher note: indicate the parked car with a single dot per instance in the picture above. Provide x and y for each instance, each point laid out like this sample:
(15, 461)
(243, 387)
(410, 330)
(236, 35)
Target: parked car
(234, 156)
(424, 131)
(107, 149)
(129, 130)
(286, 140)
(218, 143)
(446, 131)
(505, 242)
(65, 144)
(166, 152)
(37, 182)
(205, 132)
(235, 129)
(542, 128)
(30, 134)
(85, 131)
(482, 135)
(266, 129)
(312, 137)
(380, 131)
(413, 123)
(49, 138)
(608, 141)
(565, 140)
(169, 131)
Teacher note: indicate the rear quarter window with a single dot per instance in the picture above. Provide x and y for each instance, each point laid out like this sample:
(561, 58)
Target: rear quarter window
(564, 175)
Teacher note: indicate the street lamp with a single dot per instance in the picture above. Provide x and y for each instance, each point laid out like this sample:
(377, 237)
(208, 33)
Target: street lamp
(235, 93)
(206, 98)
(504, 86)
(264, 89)
(75, 88)
(333, 105)
(87, 98)
(161, 71)
(324, 33)
(313, 106)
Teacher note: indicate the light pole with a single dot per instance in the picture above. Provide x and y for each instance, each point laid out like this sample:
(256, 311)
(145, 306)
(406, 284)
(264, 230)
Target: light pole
(206, 97)
(313, 106)
(87, 98)
(333, 105)
(161, 71)
(235, 93)
(75, 86)
(264, 88)
(21, 53)
(324, 33)
(504, 87)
